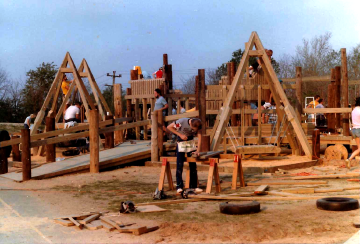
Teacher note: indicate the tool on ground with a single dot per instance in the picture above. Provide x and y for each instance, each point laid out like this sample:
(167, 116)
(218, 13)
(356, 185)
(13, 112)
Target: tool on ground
(127, 207)
(158, 195)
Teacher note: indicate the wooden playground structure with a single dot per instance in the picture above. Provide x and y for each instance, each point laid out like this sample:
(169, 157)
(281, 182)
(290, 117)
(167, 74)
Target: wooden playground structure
(230, 135)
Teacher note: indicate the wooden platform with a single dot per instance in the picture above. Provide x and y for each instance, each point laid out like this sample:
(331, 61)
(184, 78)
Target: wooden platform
(253, 165)
(122, 154)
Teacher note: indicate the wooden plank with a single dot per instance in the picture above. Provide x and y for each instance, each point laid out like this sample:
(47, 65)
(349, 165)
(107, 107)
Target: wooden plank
(110, 222)
(309, 79)
(77, 224)
(66, 70)
(89, 219)
(327, 110)
(334, 176)
(93, 226)
(150, 209)
(300, 190)
(258, 149)
(179, 95)
(261, 190)
(286, 182)
(256, 53)
(125, 126)
(64, 222)
(233, 198)
(184, 115)
(59, 139)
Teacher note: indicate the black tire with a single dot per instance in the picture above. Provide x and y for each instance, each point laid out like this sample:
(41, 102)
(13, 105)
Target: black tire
(4, 136)
(337, 204)
(232, 209)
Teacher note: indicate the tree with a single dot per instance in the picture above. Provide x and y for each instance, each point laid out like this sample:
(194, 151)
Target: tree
(37, 86)
(4, 83)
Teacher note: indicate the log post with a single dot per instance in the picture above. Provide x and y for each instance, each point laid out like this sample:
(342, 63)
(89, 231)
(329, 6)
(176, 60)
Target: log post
(26, 154)
(133, 74)
(154, 137)
(50, 148)
(299, 97)
(331, 103)
(94, 141)
(109, 136)
(128, 109)
(160, 132)
(337, 94)
(197, 91)
(4, 164)
(202, 100)
(118, 107)
(170, 103)
(137, 118)
(16, 155)
(259, 115)
(316, 144)
(344, 91)
(144, 102)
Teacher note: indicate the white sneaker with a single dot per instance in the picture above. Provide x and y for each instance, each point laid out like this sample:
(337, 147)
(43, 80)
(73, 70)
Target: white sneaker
(198, 190)
(347, 163)
(179, 190)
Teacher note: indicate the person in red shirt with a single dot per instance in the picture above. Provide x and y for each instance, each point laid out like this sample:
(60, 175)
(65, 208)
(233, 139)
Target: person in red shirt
(158, 74)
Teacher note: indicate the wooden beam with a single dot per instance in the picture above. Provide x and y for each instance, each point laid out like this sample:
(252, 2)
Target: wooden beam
(344, 91)
(184, 115)
(327, 110)
(154, 137)
(26, 154)
(222, 120)
(256, 53)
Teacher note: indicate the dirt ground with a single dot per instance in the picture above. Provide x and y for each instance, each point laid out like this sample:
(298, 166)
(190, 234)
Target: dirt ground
(278, 221)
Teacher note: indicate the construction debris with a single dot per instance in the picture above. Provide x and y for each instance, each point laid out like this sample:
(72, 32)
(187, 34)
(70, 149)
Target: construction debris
(95, 221)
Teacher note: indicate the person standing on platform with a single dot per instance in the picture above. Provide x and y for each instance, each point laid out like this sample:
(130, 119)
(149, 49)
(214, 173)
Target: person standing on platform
(65, 85)
(185, 129)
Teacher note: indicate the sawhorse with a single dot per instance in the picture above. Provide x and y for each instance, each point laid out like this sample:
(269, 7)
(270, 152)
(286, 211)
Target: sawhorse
(237, 173)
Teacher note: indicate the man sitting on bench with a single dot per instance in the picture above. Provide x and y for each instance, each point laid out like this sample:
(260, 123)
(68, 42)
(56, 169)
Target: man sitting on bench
(186, 129)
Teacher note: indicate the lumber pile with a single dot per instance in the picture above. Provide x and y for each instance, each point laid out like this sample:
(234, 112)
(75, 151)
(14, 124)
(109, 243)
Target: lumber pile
(96, 220)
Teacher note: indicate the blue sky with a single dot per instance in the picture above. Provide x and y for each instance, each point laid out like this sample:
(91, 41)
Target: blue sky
(116, 35)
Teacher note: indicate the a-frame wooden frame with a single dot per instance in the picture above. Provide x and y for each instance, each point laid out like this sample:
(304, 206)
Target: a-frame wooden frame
(276, 89)
(55, 90)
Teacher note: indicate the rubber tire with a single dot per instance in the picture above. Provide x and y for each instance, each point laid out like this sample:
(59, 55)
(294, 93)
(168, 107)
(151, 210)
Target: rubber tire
(235, 209)
(4, 136)
(337, 204)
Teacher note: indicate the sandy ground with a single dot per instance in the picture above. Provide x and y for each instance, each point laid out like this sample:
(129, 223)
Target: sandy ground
(278, 222)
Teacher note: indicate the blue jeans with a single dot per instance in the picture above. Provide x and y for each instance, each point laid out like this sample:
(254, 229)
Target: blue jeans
(180, 159)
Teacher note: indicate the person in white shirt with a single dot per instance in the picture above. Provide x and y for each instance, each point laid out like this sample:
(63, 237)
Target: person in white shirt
(27, 121)
(355, 131)
(72, 115)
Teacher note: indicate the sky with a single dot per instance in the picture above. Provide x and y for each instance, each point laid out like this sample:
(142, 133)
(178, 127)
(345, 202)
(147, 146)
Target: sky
(197, 34)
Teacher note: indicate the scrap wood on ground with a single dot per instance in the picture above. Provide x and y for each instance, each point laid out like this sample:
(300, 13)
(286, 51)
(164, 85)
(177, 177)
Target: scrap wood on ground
(96, 220)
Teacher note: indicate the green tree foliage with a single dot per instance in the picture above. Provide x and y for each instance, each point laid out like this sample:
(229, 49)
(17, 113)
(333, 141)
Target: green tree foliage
(108, 95)
(37, 86)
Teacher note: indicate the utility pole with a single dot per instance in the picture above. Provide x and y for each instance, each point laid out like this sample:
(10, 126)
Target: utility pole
(113, 76)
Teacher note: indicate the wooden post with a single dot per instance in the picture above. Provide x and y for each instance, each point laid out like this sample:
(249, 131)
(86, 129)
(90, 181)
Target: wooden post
(242, 109)
(197, 92)
(231, 73)
(118, 107)
(16, 155)
(202, 100)
(316, 144)
(187, 106)
(144, 101)
(205, 143)
(331, 102)
(178, 106)
(50, 148)
(154, 137)
(228, 69)
(109, 136)
(259, 115)
(337, 94)
(94, 141)
(137, 118)
(165, 59)
(133, 74)
(299, 97)
(170, 103)
(345, 91)
(160, 132)
(26, 154)
(4, 166)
